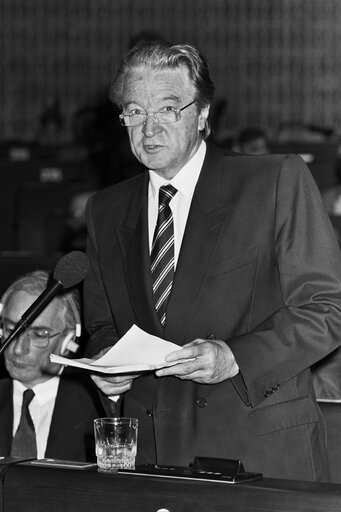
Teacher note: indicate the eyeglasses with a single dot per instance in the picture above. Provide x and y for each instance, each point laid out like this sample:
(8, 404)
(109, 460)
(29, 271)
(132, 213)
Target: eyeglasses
(165, 115)
(38, 337)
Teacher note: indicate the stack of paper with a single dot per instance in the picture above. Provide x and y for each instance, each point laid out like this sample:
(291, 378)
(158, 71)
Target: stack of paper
(136, 351)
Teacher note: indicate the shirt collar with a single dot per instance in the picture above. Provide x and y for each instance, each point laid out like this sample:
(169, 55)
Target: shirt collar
(44, 391)
(185, 180)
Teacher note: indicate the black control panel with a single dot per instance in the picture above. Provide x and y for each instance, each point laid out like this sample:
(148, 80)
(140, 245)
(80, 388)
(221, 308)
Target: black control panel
(203, 468)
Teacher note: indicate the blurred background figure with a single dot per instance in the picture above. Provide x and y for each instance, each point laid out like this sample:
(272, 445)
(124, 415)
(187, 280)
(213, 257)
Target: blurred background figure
(332, 197)
(252, 141)
(74, 238)
(51, 123)
(46, 410)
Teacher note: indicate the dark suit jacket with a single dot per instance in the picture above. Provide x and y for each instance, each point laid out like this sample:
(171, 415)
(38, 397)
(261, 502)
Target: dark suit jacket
(71, 435)
(260, 268)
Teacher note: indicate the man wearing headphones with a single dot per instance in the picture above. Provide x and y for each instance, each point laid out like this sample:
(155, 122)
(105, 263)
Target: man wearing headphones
(46, 410)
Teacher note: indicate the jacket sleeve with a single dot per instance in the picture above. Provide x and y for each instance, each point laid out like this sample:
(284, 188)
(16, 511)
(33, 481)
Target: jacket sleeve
(98, 318)
(308, 262)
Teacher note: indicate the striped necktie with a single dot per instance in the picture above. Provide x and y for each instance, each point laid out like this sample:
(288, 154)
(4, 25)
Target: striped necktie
(24, 442)
(162, 254)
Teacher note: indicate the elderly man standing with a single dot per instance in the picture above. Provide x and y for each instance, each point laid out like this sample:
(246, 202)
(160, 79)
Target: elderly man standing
(46, 411)
(231, 257)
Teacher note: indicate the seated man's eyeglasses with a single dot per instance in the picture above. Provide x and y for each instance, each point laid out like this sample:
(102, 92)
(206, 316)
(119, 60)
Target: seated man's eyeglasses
(38, 337)
(165, 115)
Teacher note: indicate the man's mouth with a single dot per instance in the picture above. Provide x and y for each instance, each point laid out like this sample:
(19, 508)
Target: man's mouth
(19, 364)
(152, 147)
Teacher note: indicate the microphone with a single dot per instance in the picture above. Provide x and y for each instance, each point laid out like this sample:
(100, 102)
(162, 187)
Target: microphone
(70, 270)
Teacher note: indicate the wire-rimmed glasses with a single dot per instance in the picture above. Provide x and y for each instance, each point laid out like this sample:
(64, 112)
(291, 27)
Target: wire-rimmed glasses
(163, 116)
(38, 337)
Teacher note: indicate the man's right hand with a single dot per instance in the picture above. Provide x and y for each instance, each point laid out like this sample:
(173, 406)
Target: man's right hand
(112, 385)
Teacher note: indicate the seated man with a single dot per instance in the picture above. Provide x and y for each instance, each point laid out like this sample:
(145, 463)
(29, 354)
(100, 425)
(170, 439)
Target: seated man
(62, 403)
(251, 141)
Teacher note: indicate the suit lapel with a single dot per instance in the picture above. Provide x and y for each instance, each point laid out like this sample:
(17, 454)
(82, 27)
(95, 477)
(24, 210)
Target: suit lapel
(208, 213)
(134, 243)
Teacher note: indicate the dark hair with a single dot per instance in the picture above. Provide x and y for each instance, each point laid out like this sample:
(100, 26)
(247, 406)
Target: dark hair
(162, 55)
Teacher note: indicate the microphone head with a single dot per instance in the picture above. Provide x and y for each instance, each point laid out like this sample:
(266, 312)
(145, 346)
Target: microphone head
(72, 268)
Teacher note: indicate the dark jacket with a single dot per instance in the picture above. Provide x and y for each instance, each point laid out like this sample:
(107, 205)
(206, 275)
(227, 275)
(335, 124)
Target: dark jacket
(71, 435)
(259, 267)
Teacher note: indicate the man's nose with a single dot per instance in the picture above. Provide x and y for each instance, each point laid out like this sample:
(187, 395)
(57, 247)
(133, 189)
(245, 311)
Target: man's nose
(151, 126)
(21, 344)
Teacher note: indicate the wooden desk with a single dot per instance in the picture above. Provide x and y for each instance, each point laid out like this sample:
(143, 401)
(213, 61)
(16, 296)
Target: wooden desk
(28, 488)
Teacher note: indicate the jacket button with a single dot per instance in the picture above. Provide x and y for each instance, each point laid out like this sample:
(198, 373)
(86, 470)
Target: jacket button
(149, 412)
(267, 393)
(201, 402)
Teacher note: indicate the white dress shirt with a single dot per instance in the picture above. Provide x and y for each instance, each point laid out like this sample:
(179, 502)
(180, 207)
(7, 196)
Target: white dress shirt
(41, 409)
(185, 182)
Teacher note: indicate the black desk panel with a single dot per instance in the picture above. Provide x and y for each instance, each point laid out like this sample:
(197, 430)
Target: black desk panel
(28, 488)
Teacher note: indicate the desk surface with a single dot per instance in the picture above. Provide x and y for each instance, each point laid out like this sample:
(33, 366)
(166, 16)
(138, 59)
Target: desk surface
(34, 488)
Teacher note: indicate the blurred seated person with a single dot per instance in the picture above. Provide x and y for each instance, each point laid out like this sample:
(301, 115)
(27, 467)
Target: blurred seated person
(300, 132)
(332, 195)
(251, 141)
(51, 123)
(97, 128)
(74, 238)
(46, 410)
(332, 198)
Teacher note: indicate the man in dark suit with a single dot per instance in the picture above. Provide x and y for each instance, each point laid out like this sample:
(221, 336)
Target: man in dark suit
(64, 403)
(249, 284)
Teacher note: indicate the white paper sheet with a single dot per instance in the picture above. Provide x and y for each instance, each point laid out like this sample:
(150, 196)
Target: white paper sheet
(136, 351)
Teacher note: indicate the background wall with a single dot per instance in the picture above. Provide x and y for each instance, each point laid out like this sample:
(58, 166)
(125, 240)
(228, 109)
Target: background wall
(273, 61)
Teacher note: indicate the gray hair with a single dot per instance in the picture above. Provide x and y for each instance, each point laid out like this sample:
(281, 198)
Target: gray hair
(34, 283)
(162, 55)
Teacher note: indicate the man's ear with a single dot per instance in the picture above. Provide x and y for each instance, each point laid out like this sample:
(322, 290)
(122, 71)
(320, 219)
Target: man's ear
(203, 116)
(69, 344)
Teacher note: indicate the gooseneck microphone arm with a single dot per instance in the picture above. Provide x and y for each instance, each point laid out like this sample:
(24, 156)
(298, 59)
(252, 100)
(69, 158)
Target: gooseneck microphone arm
(70, 270)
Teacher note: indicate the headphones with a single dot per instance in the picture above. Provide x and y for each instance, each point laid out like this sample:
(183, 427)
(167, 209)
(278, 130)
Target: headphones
(70, 341)
(69, 344)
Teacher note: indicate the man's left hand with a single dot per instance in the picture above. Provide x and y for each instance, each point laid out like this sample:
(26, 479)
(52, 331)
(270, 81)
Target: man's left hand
(213, 362)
